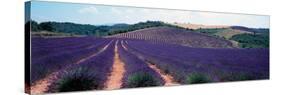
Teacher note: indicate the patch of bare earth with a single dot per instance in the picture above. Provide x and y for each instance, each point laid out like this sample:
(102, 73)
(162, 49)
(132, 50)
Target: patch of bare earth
(169, 80)
(114, 81)
(42, 85)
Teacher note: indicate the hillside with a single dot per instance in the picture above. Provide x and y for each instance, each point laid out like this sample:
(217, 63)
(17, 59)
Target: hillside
(176, 36)
(91, 30)
(254, 30)
(225, 33)
(240, 36)
(228, 33)
(220, 30)
(258, 40)
(198, 26)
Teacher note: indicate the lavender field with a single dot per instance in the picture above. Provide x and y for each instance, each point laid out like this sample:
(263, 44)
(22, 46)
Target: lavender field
(159, 57)
(86, 47)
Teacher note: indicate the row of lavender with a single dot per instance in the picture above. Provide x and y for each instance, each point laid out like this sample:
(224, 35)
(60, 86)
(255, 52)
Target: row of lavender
(93, 73)
(50, 46)
(215, 64)
(61, 54)
(53, 54)
(138, 73)
(87, 75)
(176, 36)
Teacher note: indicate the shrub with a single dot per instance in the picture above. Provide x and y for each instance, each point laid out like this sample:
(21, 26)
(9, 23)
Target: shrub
(142, 80)
(76, 80)
(195, 78)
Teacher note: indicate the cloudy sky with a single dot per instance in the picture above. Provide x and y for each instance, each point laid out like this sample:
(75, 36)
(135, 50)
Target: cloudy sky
(100, 14)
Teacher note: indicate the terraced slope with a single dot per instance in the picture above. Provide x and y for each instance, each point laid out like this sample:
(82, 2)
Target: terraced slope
(176, 36)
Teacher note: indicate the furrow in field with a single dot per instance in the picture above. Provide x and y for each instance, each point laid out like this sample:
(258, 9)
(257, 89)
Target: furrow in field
(168, 79)
(114, 81)
(94, 54)
(42, 85)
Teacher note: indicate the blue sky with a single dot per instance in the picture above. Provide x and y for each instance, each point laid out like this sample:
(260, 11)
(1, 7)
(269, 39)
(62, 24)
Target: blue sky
(101, 14)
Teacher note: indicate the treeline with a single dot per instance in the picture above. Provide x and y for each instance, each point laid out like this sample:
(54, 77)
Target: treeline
(260, 40)
(91, 30)
(254, 30)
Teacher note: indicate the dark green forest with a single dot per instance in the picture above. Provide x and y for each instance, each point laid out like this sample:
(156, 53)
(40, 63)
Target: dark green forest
(260, 40)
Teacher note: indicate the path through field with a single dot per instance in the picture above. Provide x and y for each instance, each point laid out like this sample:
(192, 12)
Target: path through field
(42, 85)
(114, 81)
(168, 79)
(95, 54)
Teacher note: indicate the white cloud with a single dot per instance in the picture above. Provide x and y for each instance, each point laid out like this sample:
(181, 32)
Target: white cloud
(165, 15)
(88, 10)
(134, 15)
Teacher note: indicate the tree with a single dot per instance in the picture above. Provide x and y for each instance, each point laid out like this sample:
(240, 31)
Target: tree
(47, 26)
(34, 26)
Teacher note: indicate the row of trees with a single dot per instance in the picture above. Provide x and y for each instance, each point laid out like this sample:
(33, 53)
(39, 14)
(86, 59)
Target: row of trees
(260, 40)
(91, 30)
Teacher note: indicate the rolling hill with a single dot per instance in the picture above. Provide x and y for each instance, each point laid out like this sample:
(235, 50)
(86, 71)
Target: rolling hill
(176, 36)
(225, 33)
(198, 26)
(91, 30)
(240, 36)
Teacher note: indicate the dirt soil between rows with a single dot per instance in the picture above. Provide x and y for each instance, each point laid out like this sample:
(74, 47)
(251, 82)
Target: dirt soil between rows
(118, 69)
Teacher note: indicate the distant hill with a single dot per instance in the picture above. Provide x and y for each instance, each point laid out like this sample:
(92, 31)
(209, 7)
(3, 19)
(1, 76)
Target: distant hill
(254, 40)
(254, 30)
(240, 36)
(201, 26)
(225, 33)
(91, 30)
(198, 26)
(176, 36)
(243, 28)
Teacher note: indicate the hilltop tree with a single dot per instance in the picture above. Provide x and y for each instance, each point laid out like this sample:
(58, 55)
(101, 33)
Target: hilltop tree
(34, 26)
(47, 26)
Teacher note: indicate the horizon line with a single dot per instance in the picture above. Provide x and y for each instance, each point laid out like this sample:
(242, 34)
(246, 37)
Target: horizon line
(111, 24)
